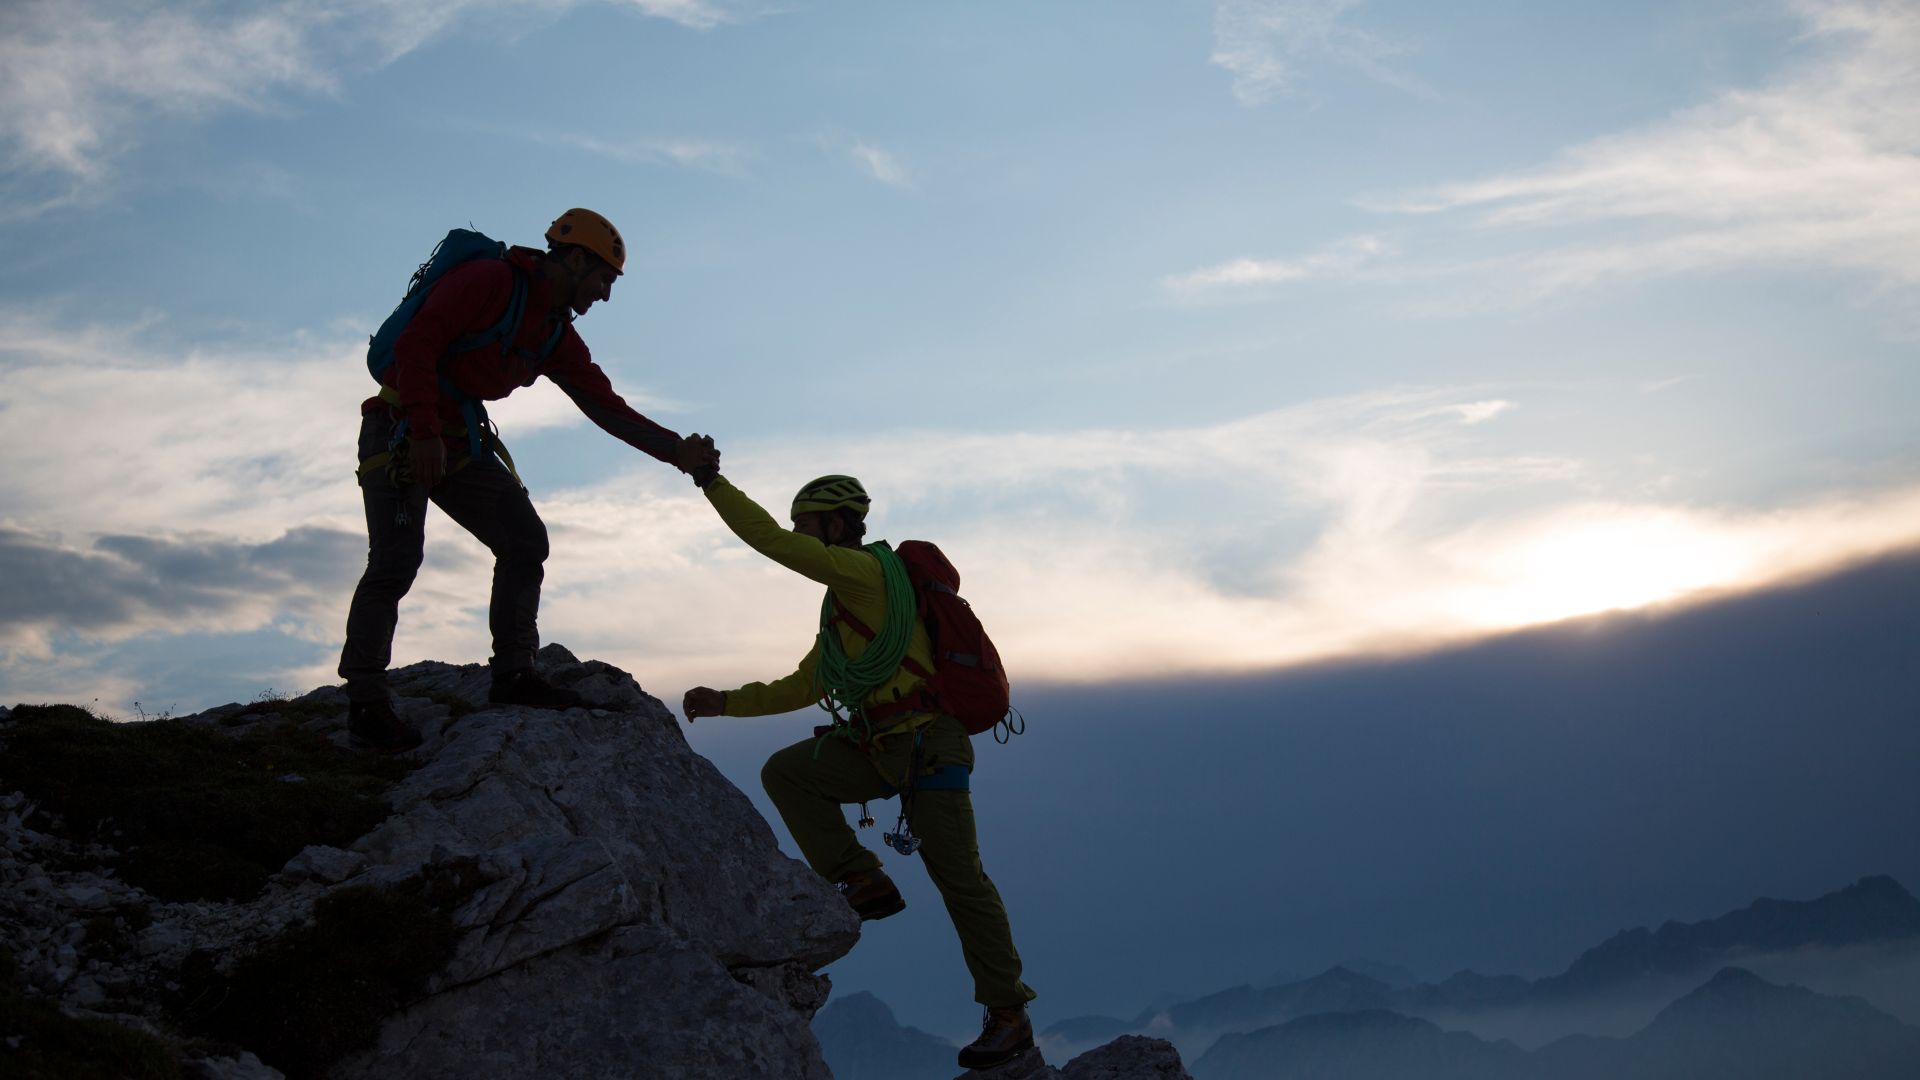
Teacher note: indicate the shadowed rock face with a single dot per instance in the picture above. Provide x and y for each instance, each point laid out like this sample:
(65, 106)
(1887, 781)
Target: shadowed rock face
(626, 912)
(622, 910)
(639, 912)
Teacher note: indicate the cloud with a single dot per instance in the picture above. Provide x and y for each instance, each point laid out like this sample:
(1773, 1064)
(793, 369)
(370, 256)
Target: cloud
(200, 439)
(1371, 523)
(696, 14)
(75, 76)
(881, 165)
(710, 155)
(1340, 259)
(1819, 167)
(1263, 42)
(121, 585)
(81, 79)
(1098, 554)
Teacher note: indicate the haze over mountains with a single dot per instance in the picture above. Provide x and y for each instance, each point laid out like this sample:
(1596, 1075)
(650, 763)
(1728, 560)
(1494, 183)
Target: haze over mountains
(1620, 983)
(1700, 1014)
(1735, 1027)
(1500, 808)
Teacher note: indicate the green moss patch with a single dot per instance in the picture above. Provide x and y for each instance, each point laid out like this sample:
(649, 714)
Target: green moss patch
(198, 814)
(54, 1046)
(320, 992)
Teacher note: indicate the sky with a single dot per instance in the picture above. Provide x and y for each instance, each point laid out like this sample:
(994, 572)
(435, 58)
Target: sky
(1212, 341)
(1205, 338)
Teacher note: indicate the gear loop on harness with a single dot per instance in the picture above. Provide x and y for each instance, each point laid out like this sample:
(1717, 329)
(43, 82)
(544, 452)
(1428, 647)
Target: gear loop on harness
(1005, 728)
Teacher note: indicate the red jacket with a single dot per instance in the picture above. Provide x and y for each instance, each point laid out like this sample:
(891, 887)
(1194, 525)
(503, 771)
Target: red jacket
(471, 298)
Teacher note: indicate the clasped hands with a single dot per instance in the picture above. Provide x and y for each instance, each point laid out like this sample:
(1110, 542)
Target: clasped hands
(699, 458)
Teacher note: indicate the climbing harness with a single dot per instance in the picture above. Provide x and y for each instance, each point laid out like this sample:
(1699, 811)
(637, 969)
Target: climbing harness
(396, 459)
(943, 778)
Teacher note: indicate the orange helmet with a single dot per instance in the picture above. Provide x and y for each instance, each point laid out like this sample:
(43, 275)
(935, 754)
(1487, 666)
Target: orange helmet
(590, 231)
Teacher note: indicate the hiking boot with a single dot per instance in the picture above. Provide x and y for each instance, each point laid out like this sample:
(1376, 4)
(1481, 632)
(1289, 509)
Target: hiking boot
(373, 725)
(1004, 1035)
(872, 895)
(525, 687)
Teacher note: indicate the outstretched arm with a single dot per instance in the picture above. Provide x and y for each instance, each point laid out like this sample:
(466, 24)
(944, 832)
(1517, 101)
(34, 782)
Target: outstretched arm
(851, 572)
(785, 694)
(592, 392)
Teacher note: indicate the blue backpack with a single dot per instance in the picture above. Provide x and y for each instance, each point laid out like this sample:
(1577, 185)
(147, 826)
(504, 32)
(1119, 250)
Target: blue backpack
(458, 247)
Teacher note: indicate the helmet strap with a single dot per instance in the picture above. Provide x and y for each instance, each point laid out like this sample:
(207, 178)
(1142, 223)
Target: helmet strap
(558, 260)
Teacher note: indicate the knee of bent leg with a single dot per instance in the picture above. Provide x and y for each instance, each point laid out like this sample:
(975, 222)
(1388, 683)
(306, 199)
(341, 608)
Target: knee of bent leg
(782, 772)
(772, 775)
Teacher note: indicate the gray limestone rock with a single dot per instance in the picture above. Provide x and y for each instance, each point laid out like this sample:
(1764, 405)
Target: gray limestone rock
(637, 915)
(631, 915)
(324, 864)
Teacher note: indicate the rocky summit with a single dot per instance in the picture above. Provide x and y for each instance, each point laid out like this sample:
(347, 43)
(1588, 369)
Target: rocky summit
(528, 894)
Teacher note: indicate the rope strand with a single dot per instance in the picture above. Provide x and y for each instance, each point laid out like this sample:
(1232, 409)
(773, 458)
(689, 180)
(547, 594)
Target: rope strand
(845, 682)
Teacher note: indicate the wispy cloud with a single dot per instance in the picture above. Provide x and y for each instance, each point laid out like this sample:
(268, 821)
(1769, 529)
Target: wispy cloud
(1377, 522)
(1263, 43)
(80, 79)
(193, 468)
(1819, 167)
(881, 165)
(697, 14)
(1350, 535)
(707, 154)
(75, 77)
(1339, 259)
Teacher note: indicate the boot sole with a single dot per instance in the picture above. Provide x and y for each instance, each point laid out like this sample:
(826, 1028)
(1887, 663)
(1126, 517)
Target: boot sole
(996, 1062)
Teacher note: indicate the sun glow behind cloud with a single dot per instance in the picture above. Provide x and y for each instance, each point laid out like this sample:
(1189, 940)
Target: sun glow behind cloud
(1326, 529)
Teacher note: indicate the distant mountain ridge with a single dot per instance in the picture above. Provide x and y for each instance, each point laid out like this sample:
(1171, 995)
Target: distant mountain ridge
(861, 1040)
(1872, 909)
(1736, 1026)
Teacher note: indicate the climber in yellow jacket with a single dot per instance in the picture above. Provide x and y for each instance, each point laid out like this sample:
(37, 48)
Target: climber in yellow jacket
(856, 761)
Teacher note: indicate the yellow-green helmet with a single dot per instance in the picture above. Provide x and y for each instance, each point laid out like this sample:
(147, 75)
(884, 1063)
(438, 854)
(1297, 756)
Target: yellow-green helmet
(831, 493)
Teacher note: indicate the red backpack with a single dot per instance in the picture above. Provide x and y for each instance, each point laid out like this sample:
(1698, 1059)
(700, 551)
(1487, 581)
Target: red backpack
(967, 681)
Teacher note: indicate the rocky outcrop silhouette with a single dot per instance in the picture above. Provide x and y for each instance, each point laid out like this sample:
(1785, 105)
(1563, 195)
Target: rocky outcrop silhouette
(606, 902)
(863, 1041)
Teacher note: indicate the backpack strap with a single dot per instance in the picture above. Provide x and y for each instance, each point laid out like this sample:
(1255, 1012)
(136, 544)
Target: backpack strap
(503, 331)
(842, 615)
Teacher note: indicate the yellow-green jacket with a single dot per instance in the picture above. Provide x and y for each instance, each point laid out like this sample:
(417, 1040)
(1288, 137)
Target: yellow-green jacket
(853, 576)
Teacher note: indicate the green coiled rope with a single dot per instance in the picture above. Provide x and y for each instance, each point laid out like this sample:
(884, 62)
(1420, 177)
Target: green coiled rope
(845, 682)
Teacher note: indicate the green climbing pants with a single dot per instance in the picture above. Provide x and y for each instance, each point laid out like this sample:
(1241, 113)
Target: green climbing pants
(809, 792)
